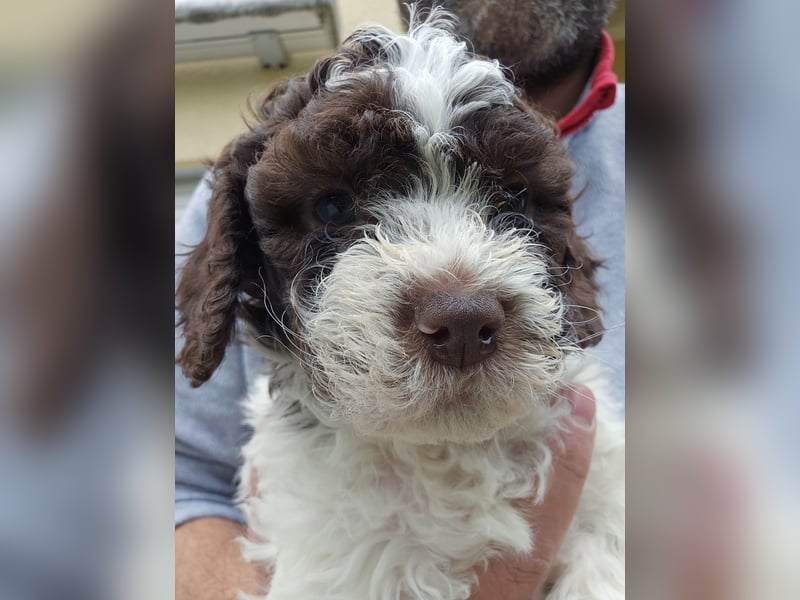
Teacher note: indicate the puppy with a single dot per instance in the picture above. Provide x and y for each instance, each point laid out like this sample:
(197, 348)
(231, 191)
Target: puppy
(395, 234)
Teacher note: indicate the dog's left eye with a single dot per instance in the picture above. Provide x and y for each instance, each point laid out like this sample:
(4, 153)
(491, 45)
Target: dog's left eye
(336, 208)
(510, 211)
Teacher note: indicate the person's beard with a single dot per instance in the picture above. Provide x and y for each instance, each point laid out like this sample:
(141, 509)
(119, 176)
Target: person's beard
(542, 41)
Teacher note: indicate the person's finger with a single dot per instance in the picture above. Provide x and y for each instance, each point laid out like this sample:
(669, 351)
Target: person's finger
(516, 577)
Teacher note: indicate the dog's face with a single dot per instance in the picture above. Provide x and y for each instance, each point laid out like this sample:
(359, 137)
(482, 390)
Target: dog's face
(400, 222)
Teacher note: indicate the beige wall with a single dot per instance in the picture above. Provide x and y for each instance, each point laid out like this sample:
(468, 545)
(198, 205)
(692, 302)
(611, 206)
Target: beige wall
(616, 27)
(211, 100)
(352, 13)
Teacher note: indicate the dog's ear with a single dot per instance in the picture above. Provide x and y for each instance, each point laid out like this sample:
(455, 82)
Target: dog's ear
(580, 290)
(572, 264)
(224, 276)
(211, 278)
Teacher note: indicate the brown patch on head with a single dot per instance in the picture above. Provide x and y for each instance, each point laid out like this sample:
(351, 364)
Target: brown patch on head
(525, 166)
(349, 141)
(264, 227)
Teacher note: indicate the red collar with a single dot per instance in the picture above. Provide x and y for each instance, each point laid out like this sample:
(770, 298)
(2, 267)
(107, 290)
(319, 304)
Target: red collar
(601, 94)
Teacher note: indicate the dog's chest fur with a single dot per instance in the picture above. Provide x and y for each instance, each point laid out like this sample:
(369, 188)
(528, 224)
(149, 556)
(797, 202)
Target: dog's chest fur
(348, 517)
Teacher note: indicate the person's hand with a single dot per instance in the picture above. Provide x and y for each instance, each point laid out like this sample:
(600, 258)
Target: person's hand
(209, 563)
(519, 577)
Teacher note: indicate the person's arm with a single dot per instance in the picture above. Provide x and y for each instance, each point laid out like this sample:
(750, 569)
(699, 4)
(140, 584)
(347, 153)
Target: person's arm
(209, 563)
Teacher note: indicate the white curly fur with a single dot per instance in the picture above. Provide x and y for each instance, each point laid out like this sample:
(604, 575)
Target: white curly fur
(435, 81)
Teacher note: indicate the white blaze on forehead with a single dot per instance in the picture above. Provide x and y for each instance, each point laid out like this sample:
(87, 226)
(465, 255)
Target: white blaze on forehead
(435, 80)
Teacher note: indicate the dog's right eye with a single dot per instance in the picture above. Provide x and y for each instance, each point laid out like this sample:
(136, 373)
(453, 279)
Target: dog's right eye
(513, 199)
(335, 208)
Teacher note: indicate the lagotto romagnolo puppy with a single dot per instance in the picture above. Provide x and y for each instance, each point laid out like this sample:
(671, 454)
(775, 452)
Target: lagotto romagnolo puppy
(395, 233)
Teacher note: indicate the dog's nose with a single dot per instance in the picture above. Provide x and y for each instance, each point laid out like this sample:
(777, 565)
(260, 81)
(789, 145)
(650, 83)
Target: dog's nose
(460, 329)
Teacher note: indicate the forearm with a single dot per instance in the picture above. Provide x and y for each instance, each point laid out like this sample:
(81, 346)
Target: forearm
(208, 561)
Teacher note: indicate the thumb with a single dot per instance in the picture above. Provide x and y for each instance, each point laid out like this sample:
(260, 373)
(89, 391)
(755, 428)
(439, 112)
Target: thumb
(571, 463)
(521, 576)
(551, 519)
(570, 467)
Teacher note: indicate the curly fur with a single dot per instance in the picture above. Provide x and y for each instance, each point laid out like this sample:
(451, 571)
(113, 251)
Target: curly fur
(375, 471)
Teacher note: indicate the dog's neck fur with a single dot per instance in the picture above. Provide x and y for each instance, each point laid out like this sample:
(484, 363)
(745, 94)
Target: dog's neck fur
(400, 503)
(382, 517)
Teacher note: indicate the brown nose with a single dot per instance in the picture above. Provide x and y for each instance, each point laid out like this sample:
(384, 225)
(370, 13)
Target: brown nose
(460, 329)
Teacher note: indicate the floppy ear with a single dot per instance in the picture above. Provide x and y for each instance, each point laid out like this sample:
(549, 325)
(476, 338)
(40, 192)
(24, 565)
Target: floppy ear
(572, 263)
(211, 278)
(222, 276)
(580, 290)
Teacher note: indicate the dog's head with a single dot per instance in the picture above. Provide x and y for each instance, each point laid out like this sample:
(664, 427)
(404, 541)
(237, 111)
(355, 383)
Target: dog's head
(400, 222)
